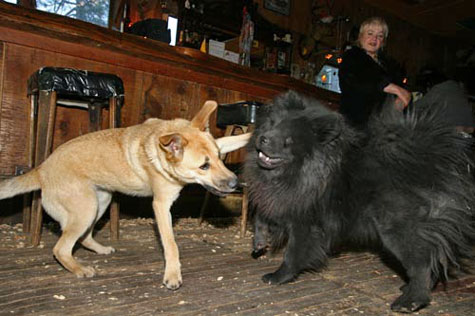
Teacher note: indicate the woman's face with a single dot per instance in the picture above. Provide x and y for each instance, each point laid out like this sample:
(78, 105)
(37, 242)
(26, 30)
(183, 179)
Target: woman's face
(372, 38)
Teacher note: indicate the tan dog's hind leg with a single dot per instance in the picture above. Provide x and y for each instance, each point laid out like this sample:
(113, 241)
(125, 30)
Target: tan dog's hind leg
(76, 213)
(103, 198)
(162, 203)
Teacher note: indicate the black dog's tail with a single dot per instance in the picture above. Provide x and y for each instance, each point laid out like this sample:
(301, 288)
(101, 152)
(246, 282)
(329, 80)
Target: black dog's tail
(420, 147)
(421, 150)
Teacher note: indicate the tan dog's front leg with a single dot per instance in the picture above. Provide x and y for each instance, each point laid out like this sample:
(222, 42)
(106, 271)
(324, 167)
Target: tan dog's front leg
(161, 206)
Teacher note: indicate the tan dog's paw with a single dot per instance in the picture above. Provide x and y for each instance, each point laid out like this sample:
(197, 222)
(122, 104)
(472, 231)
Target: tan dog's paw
(105, 250)
(172, 280)
(87, 272)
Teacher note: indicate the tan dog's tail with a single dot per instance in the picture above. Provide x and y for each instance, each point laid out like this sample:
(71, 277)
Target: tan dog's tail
(21, 184)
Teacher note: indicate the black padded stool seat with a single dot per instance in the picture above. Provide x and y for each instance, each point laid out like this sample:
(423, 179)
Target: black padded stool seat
(72, 87)
(76, 83)
(233, 117)
(51, 86)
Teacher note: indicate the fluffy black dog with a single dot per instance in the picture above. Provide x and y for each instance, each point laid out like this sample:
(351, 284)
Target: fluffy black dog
(315, 184)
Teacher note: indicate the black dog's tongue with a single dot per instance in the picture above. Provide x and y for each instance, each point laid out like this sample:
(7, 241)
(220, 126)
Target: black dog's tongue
(267, 161)
(264, 158)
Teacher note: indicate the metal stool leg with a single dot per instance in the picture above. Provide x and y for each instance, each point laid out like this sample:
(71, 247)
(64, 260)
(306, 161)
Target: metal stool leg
(44, 141)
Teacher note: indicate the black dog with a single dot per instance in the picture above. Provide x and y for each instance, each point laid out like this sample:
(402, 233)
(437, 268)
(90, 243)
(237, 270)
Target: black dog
(401, 185)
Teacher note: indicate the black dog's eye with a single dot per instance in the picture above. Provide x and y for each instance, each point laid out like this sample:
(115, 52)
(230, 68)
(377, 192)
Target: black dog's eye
(205, 166)
(263, 140)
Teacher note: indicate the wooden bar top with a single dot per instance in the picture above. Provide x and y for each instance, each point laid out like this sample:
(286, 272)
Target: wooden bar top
(76, 38)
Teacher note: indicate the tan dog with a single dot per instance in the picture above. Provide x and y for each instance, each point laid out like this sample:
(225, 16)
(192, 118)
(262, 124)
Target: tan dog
(156, 158)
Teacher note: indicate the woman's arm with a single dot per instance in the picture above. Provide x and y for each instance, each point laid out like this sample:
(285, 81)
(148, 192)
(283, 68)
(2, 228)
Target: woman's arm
(360, 74)
(403, 96)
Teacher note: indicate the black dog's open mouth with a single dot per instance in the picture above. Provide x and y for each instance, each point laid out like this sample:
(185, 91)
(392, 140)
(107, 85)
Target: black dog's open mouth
(268, 162)
(216, 191)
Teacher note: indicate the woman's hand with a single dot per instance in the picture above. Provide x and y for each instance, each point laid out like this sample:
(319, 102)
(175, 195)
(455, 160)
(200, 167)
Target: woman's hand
(403, 96)
(399, 104)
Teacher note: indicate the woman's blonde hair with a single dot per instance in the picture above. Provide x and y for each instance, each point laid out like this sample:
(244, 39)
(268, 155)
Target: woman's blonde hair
(374, 21)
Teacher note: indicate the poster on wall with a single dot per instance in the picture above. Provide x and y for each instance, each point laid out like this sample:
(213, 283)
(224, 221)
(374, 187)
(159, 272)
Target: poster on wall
(279, 6)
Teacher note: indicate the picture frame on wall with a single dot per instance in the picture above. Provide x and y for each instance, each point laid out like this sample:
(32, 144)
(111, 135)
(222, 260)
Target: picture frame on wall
(278, 6)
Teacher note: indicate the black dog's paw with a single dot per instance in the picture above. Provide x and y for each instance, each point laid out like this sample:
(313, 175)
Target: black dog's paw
(277, 278)
(258, 253)
(410, 303)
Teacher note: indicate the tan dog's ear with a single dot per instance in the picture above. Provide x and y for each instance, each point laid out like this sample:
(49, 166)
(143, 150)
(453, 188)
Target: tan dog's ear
(230, 143)
(174, 145)
(201, 119)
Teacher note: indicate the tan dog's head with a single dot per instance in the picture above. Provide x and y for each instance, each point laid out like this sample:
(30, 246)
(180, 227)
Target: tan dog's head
(193, 155)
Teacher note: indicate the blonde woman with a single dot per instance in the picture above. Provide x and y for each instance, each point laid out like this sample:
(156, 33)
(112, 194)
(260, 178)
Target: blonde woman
(367, 77)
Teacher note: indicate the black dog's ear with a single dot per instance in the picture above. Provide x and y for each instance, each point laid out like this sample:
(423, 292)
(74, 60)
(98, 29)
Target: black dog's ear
(327, 128)
(291, 100)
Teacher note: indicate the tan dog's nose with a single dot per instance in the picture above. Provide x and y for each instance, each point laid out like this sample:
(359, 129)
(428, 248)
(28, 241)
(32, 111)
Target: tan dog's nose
(232, 183)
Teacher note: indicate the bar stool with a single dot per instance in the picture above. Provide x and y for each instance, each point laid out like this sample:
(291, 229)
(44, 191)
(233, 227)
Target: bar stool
(234, 117)
(49, 87)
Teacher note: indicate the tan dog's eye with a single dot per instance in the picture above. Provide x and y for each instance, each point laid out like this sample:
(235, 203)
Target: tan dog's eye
(205, 166)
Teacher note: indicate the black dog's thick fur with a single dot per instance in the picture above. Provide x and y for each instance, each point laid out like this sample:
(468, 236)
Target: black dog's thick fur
(316, 183)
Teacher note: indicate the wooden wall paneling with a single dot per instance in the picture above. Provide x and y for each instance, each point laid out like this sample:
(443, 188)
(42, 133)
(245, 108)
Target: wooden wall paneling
(297, 21)
(131, 112)
(2, 76)
(435, 16)
(222, 96)
(151, 100)
(14, 113)
(169, 98)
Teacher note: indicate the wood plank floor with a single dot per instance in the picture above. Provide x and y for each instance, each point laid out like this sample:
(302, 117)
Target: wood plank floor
(220, 278)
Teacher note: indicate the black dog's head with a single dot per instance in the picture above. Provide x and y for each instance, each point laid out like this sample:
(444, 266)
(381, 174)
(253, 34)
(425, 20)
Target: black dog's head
(276, 145)
(291, 131)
